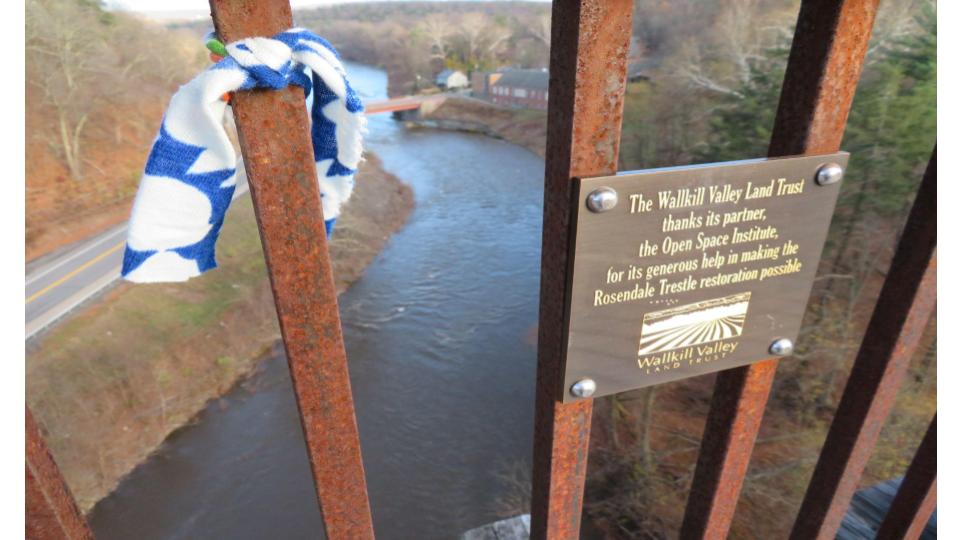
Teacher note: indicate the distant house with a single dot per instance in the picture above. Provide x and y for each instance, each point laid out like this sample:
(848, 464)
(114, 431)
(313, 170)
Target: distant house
(519, 87)
(452, 80)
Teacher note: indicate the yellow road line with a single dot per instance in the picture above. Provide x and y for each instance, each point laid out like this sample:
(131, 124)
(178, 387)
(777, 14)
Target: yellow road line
(74, 272)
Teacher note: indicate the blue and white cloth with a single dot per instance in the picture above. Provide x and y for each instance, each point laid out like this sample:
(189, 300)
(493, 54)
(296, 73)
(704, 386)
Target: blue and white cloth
(190, 175)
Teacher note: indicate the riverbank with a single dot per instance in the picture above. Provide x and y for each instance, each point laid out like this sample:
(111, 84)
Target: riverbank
(109, 385)
(523, 127)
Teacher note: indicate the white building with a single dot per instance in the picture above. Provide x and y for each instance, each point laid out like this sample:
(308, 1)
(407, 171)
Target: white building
(452, 80)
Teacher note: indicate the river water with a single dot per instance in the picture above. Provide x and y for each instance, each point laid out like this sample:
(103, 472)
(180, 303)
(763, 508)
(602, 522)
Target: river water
(440, 335)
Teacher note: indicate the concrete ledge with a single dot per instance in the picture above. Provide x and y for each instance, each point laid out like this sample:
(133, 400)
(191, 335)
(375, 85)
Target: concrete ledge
(515, 528)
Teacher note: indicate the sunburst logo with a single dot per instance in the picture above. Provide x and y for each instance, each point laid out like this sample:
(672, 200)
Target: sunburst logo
(693, 324)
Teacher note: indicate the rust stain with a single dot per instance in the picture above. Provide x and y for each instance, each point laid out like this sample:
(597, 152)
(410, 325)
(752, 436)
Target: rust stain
(825, 62)
(906, 301)
(51, 512)
(825, 68)
(587, 81)
(286, 198)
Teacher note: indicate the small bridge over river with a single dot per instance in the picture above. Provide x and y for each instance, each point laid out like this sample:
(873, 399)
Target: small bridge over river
(405, 104)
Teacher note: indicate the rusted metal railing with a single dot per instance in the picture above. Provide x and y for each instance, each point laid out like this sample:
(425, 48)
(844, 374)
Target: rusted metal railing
(903, 309)
(50, 509)
(822, 72)
(917, 497)
(274, 134)
(588, 67)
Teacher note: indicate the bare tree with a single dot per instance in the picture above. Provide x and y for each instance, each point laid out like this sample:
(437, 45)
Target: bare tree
(724, 61)
(540, 29)
(896, 20)
(478, 39)
(739, 38)
(65, 57)
(436, 29)
(470, 31)
(692, 69)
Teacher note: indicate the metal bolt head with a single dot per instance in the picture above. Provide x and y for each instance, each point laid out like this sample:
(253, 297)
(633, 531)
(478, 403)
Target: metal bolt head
(583, 388)
(831, 173)
(601, 199)
(782, 347)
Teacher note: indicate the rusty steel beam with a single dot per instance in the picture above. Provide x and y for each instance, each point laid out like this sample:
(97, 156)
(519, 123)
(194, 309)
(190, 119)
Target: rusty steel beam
(917, 497)
(51, 512)
(822, 74)
(906, 301)
(739, 398)
(274, 137)
(588, 72)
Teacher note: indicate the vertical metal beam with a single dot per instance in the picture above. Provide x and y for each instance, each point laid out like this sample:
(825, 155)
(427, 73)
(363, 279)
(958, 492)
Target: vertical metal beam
(917, 497)
(588, 66)
(275, 140)
(822, 73)
(739, 398)
(906, 301)
(51, 512)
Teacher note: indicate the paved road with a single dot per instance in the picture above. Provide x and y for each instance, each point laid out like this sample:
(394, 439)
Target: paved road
(59, 282)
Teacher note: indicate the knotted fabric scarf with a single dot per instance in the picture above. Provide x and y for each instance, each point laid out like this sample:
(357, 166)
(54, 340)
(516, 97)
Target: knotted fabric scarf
(190, 175)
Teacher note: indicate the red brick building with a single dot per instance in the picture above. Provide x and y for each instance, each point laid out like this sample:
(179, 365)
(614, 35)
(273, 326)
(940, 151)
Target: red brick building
(516, 87)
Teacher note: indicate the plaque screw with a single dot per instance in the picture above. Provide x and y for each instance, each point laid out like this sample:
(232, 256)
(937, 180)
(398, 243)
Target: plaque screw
(583, 388)
(601, 199)
(782, 347)
(831, 173)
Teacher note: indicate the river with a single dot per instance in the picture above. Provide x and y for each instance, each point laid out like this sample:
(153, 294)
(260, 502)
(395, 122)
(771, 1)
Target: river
(440, 335)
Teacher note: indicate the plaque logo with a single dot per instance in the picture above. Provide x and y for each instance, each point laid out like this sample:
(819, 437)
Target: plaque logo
(694, 324)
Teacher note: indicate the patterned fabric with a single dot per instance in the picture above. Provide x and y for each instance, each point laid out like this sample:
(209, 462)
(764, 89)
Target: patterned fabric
(190, 175)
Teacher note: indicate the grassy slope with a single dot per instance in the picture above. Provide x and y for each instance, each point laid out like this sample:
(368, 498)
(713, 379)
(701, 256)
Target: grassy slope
(111, 383)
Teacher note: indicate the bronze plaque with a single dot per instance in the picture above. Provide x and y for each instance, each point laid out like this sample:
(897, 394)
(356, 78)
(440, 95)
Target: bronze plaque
(693, 270)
